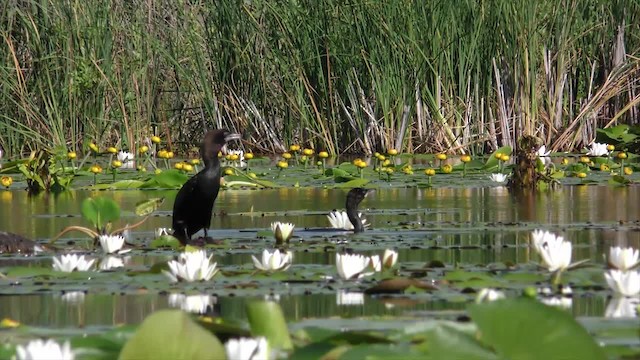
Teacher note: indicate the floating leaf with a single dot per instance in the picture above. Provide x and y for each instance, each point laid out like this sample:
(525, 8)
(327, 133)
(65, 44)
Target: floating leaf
(266, 319)
(146, 207)
(171, 334)
(352, 183)
(167, 179)
(524, 328)
(100, 211)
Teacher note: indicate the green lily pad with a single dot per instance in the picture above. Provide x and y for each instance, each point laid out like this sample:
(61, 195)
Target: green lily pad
(171, 334)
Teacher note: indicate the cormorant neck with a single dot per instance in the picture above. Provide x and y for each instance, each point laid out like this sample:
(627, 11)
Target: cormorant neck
(354, 198)
(210, 157)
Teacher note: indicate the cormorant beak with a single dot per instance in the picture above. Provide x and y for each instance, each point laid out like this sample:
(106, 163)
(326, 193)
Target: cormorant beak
(231, 136)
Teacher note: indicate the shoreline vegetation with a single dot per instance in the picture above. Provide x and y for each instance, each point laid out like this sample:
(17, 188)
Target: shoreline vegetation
(345, 77)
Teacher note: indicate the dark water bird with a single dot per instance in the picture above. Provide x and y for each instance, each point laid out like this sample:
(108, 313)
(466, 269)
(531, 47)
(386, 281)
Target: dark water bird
(354, 198)
(11, 243)
(193, 206)
(351, 219)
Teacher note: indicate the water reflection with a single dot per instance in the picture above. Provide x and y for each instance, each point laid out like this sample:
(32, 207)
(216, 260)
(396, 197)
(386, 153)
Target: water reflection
(87, 310)
(467, 225)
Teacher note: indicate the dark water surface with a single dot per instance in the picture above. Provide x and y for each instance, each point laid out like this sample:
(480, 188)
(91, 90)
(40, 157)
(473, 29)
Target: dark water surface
(472, 227)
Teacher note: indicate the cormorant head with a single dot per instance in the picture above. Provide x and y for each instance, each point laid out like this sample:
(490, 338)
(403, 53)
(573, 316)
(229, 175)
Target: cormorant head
(355, 196)
(214, 141)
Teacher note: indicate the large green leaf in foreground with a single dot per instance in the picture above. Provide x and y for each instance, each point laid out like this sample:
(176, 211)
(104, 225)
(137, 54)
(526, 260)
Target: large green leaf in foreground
(171, 334)
(524, 328)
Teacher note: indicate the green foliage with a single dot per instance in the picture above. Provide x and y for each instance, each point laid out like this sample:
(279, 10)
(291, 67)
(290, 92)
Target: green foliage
(46, 172)
(524, 328)
(365, 77)
(100, 211)
(171, 334)
(167, 179)
(266, 319)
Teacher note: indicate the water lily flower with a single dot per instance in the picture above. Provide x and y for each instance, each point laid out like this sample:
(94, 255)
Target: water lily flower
(273, 261)
(247, 348)
(111, 243)
(488, 295)
(623, 258)
(375, 263)
(192, 303)
(349, 298)
(555, 252)
(70, 262)
(191, 266)
(597, 149)
(626, 283)
(389, 258)
(542, 152)
(562, 302)
(340, 220)
(126, 158)
(282, 231)
(163, 231)
(44, 350)
(622, 307)
(239, 158)
(111, 262)
(499, 178)
(351, 266)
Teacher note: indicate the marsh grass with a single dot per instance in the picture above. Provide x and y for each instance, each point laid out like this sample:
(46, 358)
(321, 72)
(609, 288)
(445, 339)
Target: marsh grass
(355, 76)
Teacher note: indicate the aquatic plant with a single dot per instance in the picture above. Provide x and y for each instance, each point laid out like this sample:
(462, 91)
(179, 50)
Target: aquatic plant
(44, 350)
(282, 231)
(191, 266)
(625, 283)
(102, 212)
(71, 262)
(273, 261)
(247, 349)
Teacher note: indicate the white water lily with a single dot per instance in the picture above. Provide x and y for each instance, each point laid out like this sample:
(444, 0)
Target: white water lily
(111, 262)
(623, 258)
(562, 302)
(191, 266)
(488, 295)
(44, 350)
(498, 177)
(626, 283)
(127, 159)
(555, 252)
(542, 152)
(273, 261)
(70, 262)
(375, 263)
(389, 258)
(247, 349)
(622, 307)
(351, 265)
(349, 298)
(340, 220)
(111, 243)
(282, 231)
(597, 149)
(163, 231)
(192, 303)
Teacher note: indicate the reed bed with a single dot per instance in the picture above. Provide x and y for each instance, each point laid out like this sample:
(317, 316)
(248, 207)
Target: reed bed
(349, 76)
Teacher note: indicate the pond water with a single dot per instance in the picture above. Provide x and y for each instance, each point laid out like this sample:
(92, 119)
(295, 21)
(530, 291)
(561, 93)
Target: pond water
(483, 229)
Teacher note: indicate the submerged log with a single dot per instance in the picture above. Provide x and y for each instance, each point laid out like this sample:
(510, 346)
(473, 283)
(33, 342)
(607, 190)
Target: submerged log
(525, 175)
(17, 244)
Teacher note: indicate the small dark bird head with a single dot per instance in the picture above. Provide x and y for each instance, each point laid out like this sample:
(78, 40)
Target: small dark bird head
(213, 143)
(354, 197)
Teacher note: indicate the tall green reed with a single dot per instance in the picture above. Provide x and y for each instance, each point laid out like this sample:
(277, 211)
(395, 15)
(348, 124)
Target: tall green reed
(344, 76)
